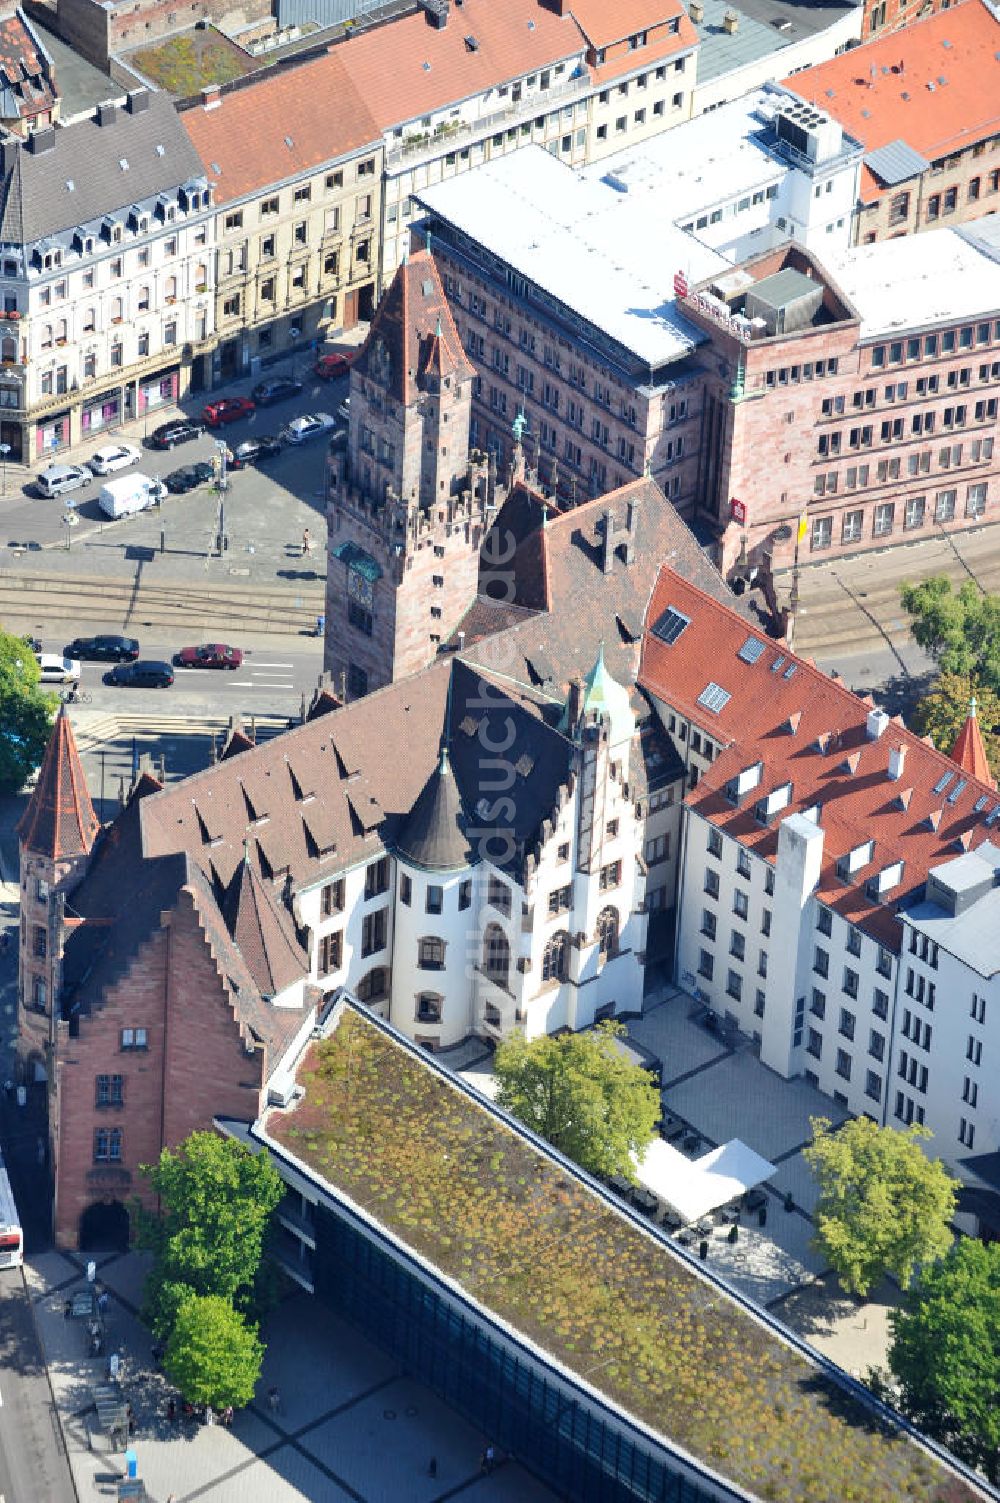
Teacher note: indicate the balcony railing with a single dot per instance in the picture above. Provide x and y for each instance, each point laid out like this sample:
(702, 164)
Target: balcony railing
(439, 139)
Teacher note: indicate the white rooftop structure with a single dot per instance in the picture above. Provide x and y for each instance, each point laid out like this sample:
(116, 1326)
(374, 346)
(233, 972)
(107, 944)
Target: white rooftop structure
(693, 1187)
(917, 281)
(588, 246)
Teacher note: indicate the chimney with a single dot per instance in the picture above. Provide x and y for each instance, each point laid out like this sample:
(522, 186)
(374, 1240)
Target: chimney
(897, 761)
(731, 22)
(138, 102)
(107, 113)
(608, 544)
(437, 12)
(877, 722)
(38, 142)
(211, 96)
(574, 703)
(696, 11)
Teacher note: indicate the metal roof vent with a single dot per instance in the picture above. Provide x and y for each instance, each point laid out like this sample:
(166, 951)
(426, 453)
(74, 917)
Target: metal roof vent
(471, 44)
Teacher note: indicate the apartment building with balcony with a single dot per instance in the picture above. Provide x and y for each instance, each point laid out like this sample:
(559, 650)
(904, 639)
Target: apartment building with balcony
(106, 273)
(923, 102)
(298, 212)
(452, 87)
(869, 380)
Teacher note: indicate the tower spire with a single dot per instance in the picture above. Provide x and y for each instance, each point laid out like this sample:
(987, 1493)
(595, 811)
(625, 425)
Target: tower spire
(59, 821)
(969, 751)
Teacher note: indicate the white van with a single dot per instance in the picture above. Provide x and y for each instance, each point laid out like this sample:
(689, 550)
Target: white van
(128, 494)
(62, 477)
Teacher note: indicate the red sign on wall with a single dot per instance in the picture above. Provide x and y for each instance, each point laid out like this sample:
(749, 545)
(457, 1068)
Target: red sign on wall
(738, 511)
(680, 284)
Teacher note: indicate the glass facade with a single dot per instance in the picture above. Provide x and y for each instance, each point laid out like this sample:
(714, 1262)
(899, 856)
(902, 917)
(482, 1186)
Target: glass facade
(562, 1436)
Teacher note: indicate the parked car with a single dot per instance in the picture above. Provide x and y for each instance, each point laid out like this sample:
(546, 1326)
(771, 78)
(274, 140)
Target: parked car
(211, 655)
(177, 431)
(267, 392)
(253, 450)
(344, 410)
(227, 410)
(113, 457)
(309, 426)
(62, 477)
(188, 476)
(329, 367)
(141, 675)
(110, 649)
(56, 669)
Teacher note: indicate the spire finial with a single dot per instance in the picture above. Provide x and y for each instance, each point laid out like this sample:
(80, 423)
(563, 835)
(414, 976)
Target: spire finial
(437, 331)
(427, 235)
(972, 707)
(246, 851)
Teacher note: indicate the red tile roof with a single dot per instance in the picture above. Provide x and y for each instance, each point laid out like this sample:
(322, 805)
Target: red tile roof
(409, 68)
(23, 67)
(603, 23)
(415, 324)
(281, 126)
(969, 751)
(811, 731)
(59, 820)
(935, 85)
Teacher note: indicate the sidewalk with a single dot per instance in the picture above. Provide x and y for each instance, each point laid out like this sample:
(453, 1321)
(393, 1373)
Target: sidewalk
(351, 1425)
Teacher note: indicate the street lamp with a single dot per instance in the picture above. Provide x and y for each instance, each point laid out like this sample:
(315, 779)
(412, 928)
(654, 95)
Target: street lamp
(223, 448)
(4, 451)
(294, 332)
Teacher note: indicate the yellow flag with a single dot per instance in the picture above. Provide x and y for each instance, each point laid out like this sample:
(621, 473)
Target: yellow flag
(803, 527)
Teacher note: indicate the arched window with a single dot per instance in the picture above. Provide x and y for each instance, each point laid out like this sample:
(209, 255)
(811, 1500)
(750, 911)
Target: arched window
(8, 349)
(555, 960)
(374, 986)
(607, 933)
(430, 954)
(496, 955)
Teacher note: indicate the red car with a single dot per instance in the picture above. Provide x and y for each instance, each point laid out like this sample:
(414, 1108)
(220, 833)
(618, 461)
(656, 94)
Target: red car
(328, 367)
(227, 410)
(211, 655)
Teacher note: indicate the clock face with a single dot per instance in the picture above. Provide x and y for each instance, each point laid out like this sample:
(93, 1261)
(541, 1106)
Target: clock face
(359, 588)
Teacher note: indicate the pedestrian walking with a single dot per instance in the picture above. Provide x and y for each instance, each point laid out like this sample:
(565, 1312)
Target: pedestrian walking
(130, 1415)
(172, 1411)
(274, 1400)
(102, 1302)
(489, 1456)
(320, 625)
(307, 543)
(227, 1416)
(4, 941)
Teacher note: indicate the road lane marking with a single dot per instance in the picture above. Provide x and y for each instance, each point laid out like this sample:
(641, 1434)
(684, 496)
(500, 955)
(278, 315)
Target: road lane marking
(255, 666)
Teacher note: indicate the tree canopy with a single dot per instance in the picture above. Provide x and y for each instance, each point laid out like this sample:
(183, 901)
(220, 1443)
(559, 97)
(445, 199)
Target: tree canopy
(213, 1356)
(884, 1206)
(942, 713)
(582, 1094)
(216, 1200)
(960, 629)
(26, 712)
(945, 1353)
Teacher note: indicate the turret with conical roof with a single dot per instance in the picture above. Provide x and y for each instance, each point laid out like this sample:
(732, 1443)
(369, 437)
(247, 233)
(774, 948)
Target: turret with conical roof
(969, 751)
(433, 836)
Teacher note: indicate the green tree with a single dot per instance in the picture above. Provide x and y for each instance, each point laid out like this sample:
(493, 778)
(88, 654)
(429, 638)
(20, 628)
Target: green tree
(945, 1353)
(26, 712)
(942, 713)
(213, 1356)
(582, 1094)
(216, 1199)
(960, 629)
(884, 1206)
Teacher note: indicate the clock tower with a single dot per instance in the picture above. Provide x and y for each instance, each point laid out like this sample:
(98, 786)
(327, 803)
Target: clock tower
(407, 505)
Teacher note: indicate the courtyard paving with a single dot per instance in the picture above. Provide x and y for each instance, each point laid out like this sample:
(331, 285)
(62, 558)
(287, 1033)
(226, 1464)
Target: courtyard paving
(351, 1426)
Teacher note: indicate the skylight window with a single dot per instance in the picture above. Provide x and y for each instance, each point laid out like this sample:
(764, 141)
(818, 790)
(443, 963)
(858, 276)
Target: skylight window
(751, 651)
(670, 626)
(943, 782)
(790, 670)
(713, 697)
(958, 790)
(778, 662)
(980, 804)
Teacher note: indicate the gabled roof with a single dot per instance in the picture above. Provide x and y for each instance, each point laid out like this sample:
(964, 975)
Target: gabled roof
(262, 928)
(810, 732)
(434, 835)
(414, 328)
(297, 118)
(59, 820)
(933, 85)
(969, 751)
(603, 24)
(410, 68)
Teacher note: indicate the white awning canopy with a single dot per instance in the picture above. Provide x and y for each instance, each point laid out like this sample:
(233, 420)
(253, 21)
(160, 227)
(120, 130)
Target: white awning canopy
(695, 1187)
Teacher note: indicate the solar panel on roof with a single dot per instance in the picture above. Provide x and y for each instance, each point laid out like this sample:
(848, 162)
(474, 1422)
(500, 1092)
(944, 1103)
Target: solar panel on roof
(670, 625)
(790, 670)
(713, 697)
(958, 790)
(777, 662)
(943, 782)
(751, 650)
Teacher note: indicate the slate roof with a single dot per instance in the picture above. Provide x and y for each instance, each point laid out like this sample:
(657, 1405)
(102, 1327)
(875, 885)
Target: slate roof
(38, 200)
(296, 117)
(811, 731)
(934, 84)
(415, 323)
(434, 835)
(59, 820)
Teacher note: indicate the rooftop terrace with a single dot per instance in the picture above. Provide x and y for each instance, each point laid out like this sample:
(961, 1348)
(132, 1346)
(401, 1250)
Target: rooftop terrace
(412, 1149)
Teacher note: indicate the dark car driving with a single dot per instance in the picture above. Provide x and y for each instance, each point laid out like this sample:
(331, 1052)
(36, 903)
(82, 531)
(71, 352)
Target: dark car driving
(142, 675)
(188, 476)
(177, 431)
(253, 450)
(111, 649)
(265, 393)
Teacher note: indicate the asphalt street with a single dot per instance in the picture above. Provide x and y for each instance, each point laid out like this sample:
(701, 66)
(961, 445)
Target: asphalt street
(33, 1465)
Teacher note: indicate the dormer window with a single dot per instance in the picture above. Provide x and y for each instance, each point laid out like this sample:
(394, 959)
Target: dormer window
(745, 782)
(773, 802)
(885, 881)
(848, 866)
